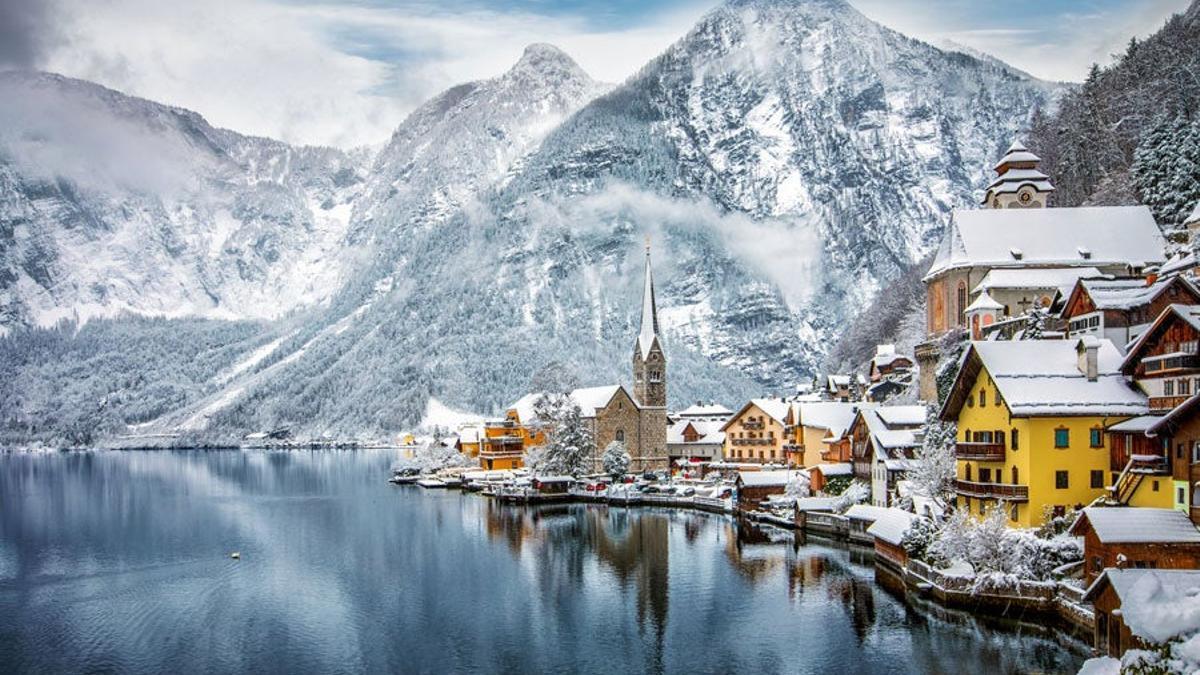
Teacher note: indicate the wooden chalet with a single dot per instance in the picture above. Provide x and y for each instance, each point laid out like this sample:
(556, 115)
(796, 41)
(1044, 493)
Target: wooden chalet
(754, 487)
(1137, 538)
(1122, 309)
(1164, 361)
(1179, 436)
(1126, 601)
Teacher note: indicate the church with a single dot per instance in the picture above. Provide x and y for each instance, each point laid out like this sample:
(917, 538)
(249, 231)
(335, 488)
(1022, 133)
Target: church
(637, 418)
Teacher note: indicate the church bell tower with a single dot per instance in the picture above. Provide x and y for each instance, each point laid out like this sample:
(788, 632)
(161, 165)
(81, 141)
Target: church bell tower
(649, 361)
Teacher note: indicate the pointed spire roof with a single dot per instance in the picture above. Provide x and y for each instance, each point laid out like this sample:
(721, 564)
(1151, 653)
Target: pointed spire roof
(649, 331)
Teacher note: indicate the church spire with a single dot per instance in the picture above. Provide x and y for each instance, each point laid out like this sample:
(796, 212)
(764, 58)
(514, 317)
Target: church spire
(649, 331)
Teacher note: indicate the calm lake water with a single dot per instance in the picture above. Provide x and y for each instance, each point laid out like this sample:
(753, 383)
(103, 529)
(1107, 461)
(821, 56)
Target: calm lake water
(119, 562)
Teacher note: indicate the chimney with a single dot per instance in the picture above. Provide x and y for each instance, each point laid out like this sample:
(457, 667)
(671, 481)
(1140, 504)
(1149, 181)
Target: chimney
(1088, 350)
(1151, 278)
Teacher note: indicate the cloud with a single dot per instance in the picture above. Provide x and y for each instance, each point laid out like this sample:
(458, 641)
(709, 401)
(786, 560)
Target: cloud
(26, 32)
(326, 74)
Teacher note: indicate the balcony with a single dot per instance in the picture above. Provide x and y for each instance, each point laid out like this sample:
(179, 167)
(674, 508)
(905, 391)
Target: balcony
(1011, 493)
(504, 440)
(982, 452)
(752, 425)
(1150, 464)
(1164, 403)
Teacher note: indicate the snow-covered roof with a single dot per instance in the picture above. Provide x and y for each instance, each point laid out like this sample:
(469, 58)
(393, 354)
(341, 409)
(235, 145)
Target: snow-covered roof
(865, 512)
(899, 463)
(703, 410)
(984, 302)
(1091, 237)
(1156, 605)
(1126, 294)
(776, 408)
(834, 416)
(1042, 377)
(1135, 525)
(1189, 314)
(709, 431)
(839, 381)
(890, 525)
(766, 478)
(842, 469)
(816, 503)
(1195, 217)
(895, 430)
(469, 434)
(1035, 278)
(589, 399)
(1136, 425)
(1017, 153)
(902, 415)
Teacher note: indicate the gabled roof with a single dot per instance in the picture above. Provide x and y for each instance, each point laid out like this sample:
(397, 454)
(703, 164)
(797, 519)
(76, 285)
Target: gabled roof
(834, 416)
(1035, 278)
(890, 525)
(1189, 314)
(865, 512)
(1133, 525)
(765, 478)
(775, 408)
(1017, 153)
(841, 469)
(1128, 293)
(1042, 378)
(708, 430)
(983, 302)
(589, 399)
(705, 410)
(1156, 605)
(897, 416)
(1091, 236)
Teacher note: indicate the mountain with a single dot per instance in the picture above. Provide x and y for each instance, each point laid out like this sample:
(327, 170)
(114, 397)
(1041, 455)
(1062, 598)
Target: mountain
(110, 203)
(785, 160)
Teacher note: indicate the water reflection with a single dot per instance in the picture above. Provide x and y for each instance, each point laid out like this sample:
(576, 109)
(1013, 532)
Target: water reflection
(119, 561)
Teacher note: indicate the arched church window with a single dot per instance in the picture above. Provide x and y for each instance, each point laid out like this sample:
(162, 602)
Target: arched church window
(962, 302)
(621, 435)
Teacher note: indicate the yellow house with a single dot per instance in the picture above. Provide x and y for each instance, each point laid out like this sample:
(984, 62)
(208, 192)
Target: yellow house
(1031, 421)
(505, 441)
(470, 440)
(758, 432)
(818, 421)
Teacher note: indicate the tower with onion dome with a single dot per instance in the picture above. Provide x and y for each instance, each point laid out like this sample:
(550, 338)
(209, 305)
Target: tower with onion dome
(1018, 184)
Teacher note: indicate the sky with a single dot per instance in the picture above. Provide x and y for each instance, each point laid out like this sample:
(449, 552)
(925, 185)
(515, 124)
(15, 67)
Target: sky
(346, 72)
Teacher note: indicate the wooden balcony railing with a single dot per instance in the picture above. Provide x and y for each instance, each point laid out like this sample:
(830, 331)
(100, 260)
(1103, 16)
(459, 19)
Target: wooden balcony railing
(1012, 493)
(1161, 403)
(752, 425)
(983, 452)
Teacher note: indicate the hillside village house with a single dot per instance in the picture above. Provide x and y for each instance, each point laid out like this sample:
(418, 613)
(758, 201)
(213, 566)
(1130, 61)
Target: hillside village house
(1129, 602)
(758, 432)
(814, 424)
(884, 441)
(1136, 537)
(692, 442)
(505, 441)
(754, 487)
(1031, 421)
(1120, 310)
(1178, 435)
(1022, 255)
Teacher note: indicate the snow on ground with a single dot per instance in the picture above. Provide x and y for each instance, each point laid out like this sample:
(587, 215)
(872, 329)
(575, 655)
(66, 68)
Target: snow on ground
(256, 357)
(1104, 665)
(438, 414)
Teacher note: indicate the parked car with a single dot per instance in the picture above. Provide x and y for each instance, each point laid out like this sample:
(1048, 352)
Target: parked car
(688, 491)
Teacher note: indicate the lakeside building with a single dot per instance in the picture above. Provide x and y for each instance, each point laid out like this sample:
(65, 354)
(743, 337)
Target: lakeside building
(816, 426)
(883, 442)
(1138, 608)
(1031, 421)
(1178, 436)
(757, 432)
(1136, 537)
(1016, 254)
(691, 442)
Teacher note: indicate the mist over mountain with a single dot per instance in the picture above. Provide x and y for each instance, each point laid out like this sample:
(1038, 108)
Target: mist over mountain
(785, 160)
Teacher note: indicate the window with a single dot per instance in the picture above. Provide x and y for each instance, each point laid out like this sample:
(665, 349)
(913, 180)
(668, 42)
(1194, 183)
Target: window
(1062, 438)
(982, 397)
(985, 475)
(1168, 387)
(1098, 479)
(971, 400)
(1013, 513)
(962, 302)
(1195, 452)
(1180, 496)
(1015, 444)
(1097, 438)
(998, 438)
(1185, 387)
(1061, 481)
(968, 475)
(1154, 486)
(1015, 476)
(967, 436)
(621, 435)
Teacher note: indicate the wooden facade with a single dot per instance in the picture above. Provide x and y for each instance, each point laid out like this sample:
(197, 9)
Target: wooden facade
(1164, 362)
(1176, 290)
(1099, 555)
(1110, 634)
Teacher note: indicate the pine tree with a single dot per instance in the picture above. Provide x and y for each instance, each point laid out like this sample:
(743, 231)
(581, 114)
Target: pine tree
(616, 459)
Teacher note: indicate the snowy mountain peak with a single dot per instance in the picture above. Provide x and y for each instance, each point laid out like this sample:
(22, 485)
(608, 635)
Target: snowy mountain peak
(546, 58)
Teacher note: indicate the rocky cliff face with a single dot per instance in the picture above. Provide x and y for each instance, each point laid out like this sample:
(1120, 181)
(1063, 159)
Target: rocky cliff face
(785, 159)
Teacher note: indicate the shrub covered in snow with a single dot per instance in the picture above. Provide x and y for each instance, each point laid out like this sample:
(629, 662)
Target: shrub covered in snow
(615, 459)
(799, 486)
(857, 492)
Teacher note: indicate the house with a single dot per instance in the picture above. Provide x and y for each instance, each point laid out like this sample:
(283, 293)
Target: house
(705, 412)
(1139, 463)
(820, 475)
(758, 432)
(637, 417)
(1122, 309)
(1137, 608)
(861, 517)
(814, 423)
(692, 442)
(1136, 537)
(1178, 433)
(888, 532)
(505, 441)
(1165, 361)
(882, 445)
(754, 487)
(838, 387)
(887, 363)
(1031, 421)
(469, 440)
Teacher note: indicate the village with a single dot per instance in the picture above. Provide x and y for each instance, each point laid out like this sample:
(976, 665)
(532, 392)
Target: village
(1038, 454)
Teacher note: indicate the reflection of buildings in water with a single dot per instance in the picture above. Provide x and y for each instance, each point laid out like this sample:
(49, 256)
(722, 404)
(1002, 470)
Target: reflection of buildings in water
(754, 553)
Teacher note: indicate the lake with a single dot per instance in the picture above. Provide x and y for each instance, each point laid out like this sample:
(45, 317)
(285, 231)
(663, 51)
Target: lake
(119, 562)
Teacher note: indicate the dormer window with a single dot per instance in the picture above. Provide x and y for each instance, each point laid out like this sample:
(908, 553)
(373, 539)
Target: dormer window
(1084, 253)
(1016, 253)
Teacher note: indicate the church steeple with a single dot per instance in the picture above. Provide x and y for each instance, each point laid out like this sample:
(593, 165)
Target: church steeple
(1018, 183)
(649, 361)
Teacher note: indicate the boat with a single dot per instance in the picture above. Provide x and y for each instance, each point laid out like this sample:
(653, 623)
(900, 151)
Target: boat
(402, 476)
(431, 482)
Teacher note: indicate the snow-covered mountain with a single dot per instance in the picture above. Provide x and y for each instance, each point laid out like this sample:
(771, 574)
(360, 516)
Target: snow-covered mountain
(110, 203)
(785, 158)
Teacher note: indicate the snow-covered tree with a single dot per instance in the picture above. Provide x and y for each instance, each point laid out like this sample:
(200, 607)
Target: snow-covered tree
(919, 537)
(933, 475)
(799, 485)
(857, 492)
(570, 445)
(615, 459)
